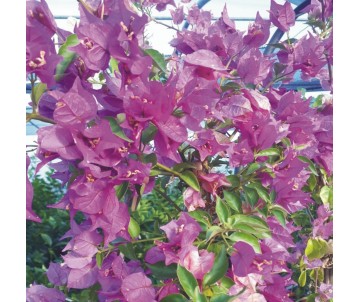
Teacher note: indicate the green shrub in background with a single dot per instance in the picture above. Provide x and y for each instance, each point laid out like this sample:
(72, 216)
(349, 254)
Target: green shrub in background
(43, 243)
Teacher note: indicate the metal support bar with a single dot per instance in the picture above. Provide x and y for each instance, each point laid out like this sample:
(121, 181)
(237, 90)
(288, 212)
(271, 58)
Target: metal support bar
(279, 33)
(165, 18)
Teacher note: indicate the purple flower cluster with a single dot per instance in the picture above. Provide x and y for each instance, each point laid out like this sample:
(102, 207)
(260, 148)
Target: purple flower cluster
(123, 116)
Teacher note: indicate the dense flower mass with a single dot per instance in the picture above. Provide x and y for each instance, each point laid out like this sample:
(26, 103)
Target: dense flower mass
(252, 160)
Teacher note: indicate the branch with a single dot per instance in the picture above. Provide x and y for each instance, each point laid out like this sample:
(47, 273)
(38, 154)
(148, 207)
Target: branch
(32, 82)
(167, 169)
(329, 69)
(147, 240)
(164, 24)
(87, 7)
(35, 116)
(168, 199)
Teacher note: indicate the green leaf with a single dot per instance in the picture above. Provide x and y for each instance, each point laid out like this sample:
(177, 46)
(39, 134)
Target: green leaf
(148, 134)
(261, 190)
(160, 271)
(317, 102)
(222, 298)
(286, 141)
(302, 279)
(116, 129)
(68, 56)
(301, 219)
(47, 239)
(114, 65)
(302, 91)
(279, 208)
(268, 152)
(311, 164)
(316, 23)
(140, 189)
(150, 158)
(233, 200)
(155, 172)
(183, 166)
(234, 180)
(302, 265)
(202, 217)
(198, 297)
(272, 196)
(319, 272)
(101, 77)
(222, 210)
(128, 251)
(215, 247)
(118, 240)
(248, 238)
(278, 67)
(157, 57)
(187, 281)
(326, 195)
(121, 117)
(37, 92)
(178, 113)
(280, 216)
(312, 181)
(226, 282)
(264, 211)
(213, 231)
(219, 268)
(252, 168)
(174, 298)
(121, 189)
(230, 86)
(251, 196)
(243, 227)
(134, 228)
(250, 224)
(99, 259)
(312, 297)
(190, 178)
(316, 248)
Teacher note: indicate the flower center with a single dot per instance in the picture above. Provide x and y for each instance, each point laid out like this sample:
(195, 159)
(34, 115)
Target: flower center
(39, 61)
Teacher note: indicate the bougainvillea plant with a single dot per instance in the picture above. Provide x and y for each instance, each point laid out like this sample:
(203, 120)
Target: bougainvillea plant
(252, 161)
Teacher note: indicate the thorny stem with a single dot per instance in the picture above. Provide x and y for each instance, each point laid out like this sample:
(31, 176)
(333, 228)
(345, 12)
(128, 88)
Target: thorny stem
(147, 240)
(288, 38)
(231, 59)
(29, 151)
(38, 117)
(324, 30)
(32, 82)
(316, 280)
(181, 152)
(309, 213)
(322, 10)
(241, 52)
(329, 69)
(87, 7)
(168, 199)
(223, 237)
(276, 80)
(167, 169)
(164, 24)
(211, 241)
(108, 252)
